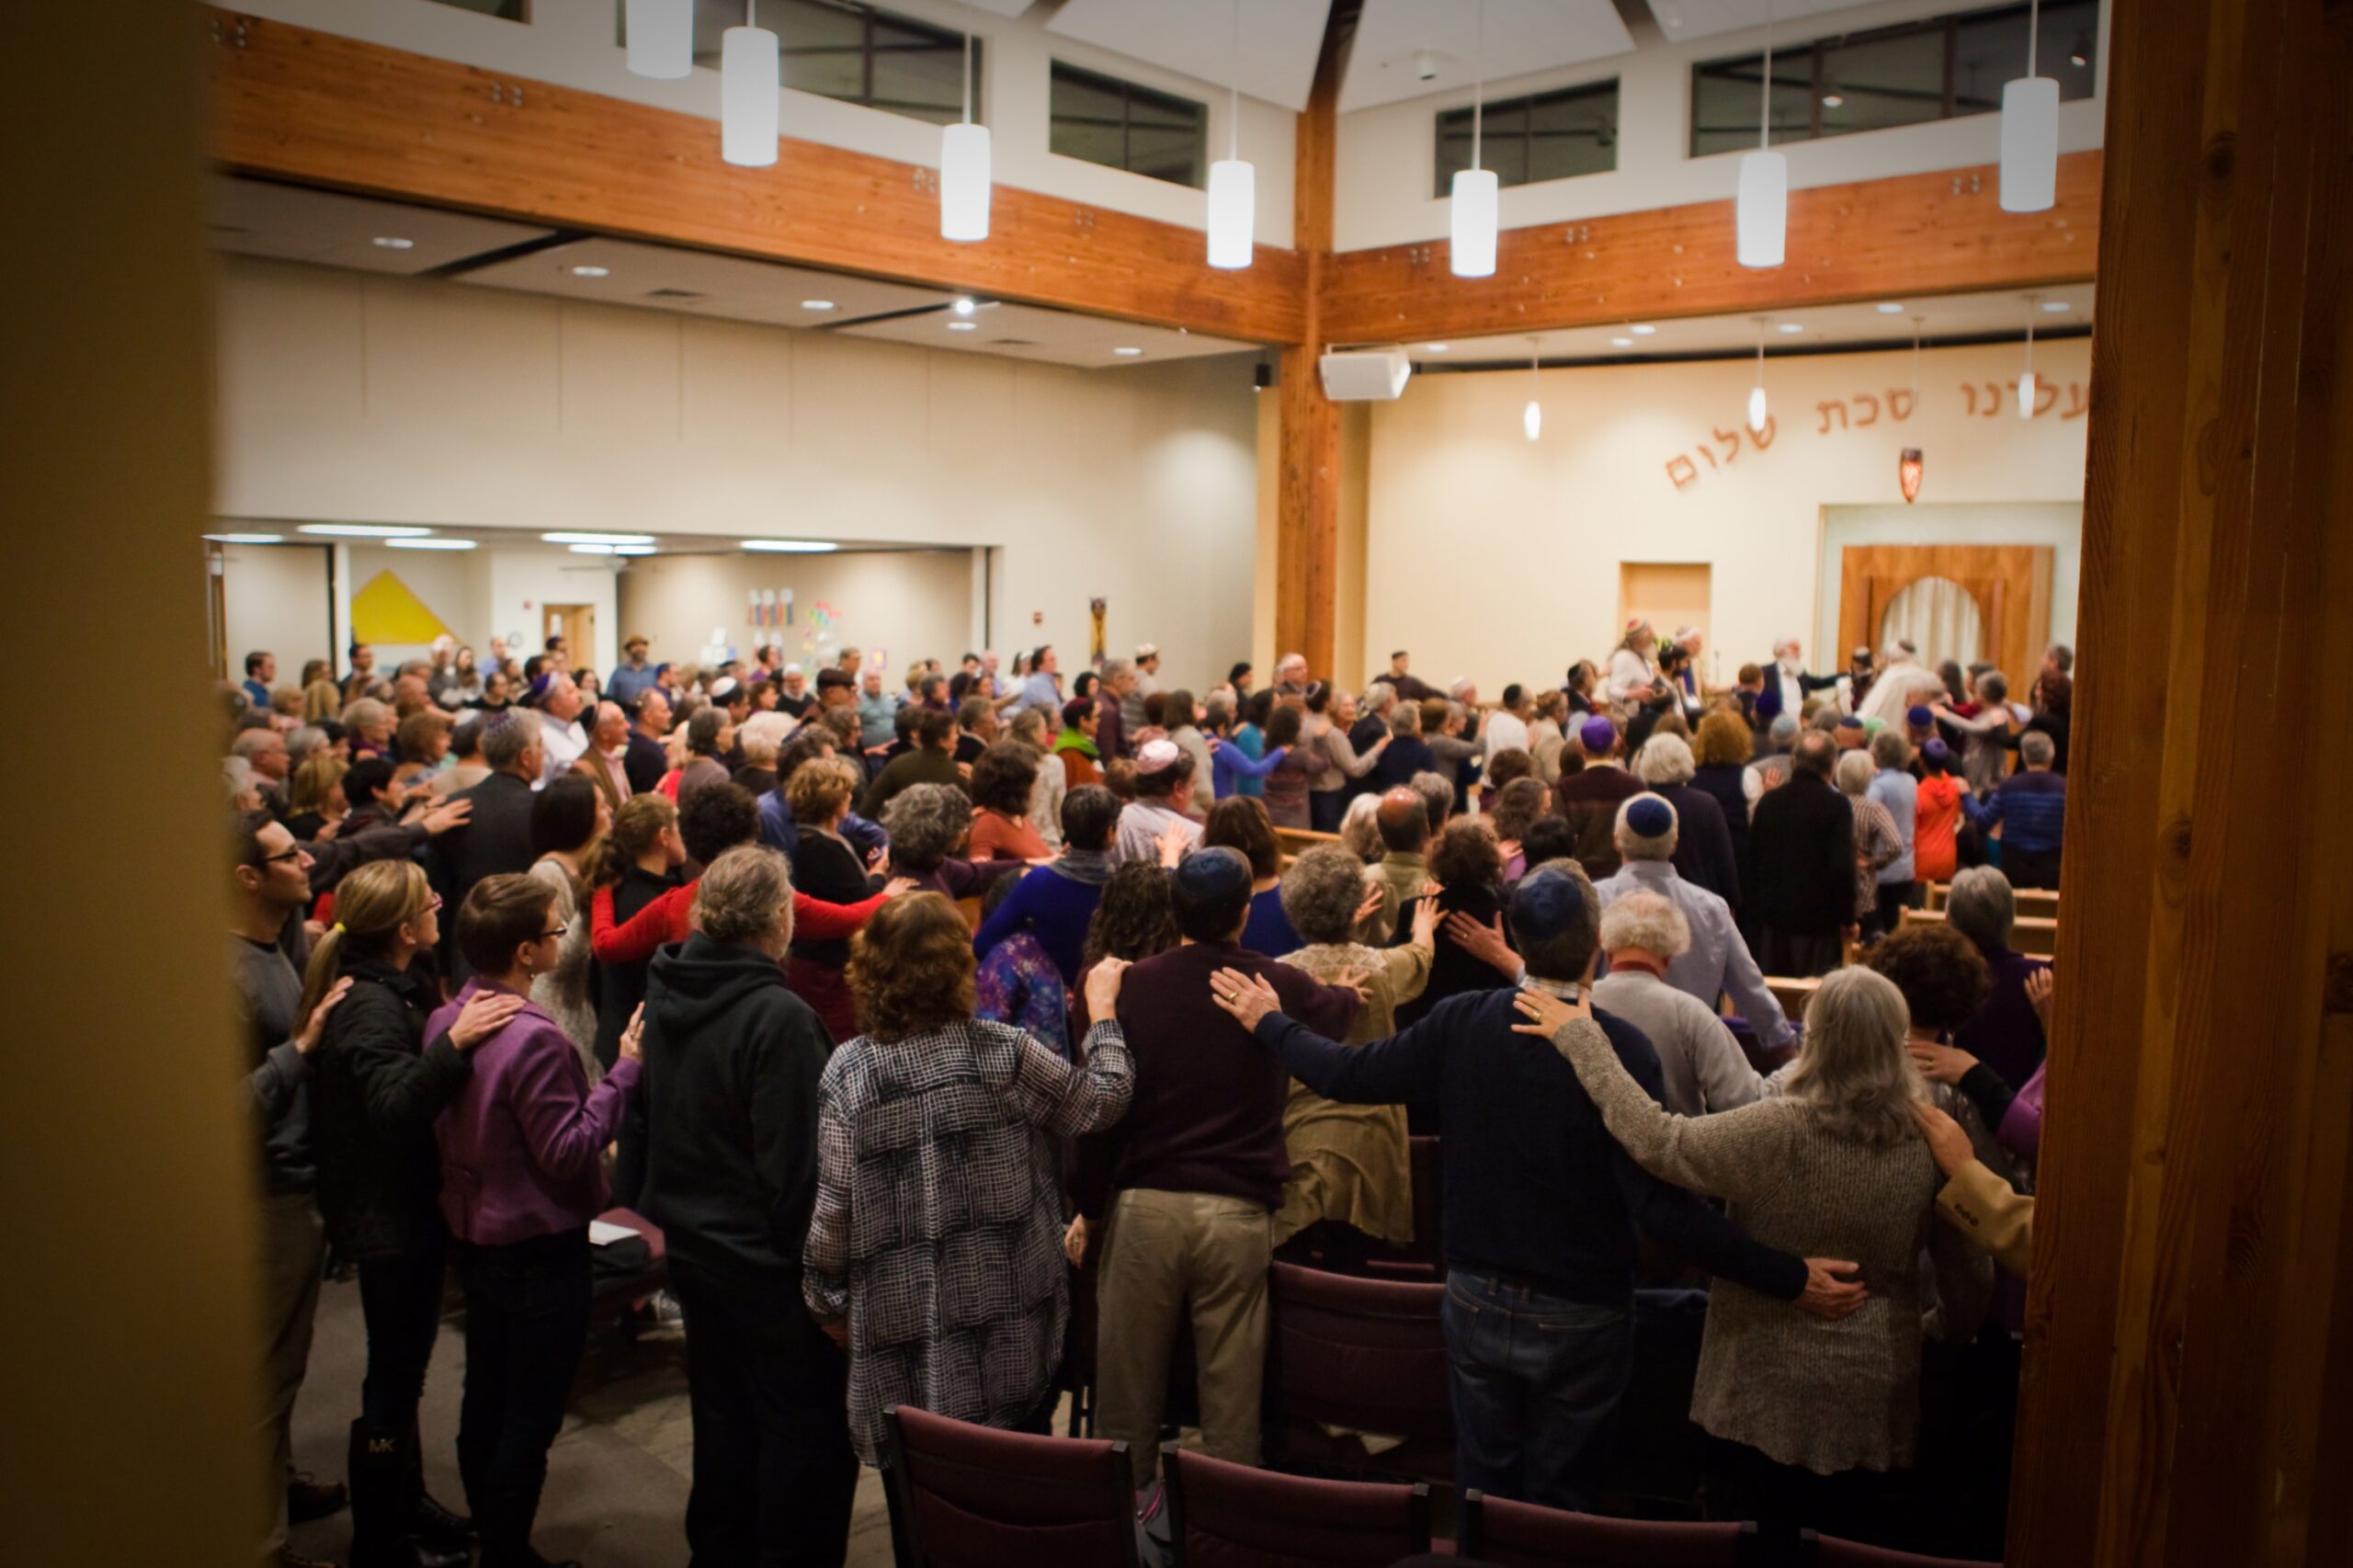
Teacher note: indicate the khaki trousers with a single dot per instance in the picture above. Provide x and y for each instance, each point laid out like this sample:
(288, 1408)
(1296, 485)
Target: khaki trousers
(1167, 1250)
(293, 1249)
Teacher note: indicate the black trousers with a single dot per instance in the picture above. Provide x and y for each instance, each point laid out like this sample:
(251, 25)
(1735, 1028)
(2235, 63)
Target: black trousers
(400, 1301)
(526, 1319)
(1791, 953)
(2030, 867)
(775, 1475)
(1784, 1499)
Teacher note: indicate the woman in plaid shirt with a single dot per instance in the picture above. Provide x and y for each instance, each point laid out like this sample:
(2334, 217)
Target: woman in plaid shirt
(934, 1255)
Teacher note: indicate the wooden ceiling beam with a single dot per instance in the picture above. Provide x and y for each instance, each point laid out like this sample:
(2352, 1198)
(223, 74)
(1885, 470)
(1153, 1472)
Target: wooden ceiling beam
(1908, 236)
(309, 106)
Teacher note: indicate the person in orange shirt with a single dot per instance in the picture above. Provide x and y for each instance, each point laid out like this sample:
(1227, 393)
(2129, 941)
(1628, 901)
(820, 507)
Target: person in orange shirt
(1934, 858)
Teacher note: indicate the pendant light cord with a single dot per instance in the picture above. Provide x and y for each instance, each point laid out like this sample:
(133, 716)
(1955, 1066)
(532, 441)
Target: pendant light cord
(2033, 32)
(967, 78)
(1765, 105)
(1233, 112)
(1478, 79)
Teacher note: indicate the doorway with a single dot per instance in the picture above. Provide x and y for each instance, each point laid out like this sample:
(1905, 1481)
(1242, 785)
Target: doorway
(577, 624)
(1670, 595)
(1957, 601)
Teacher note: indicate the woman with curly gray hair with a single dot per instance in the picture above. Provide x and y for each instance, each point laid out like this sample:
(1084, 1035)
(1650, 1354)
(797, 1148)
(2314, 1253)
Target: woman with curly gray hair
(928, 824)
(1832, 1166)
(1350, 1163)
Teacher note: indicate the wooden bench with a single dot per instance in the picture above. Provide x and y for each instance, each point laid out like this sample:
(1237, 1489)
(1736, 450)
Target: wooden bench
(2034, 935)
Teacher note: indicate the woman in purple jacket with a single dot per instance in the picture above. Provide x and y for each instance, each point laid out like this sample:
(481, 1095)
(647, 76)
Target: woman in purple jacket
(520, 1180)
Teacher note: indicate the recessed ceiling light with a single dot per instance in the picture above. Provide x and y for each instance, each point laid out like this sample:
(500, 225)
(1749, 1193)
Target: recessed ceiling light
(596, 536)
(2056, 307)
(247, 538)
(817, 304)
(965, 307)
(612, 550)
(1641, 329)
(1890, 308)
(586, 270)
(963, 326)
(1791, 326)
(1833, 101)
(428, 544)
(790, 546)
(633, 550)
(1126, 353)
(362, 530)
(1435, 347)
(1622, 343)
(394, 242)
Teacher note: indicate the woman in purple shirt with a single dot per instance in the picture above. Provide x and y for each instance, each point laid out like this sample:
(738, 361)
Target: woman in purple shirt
(520, 1180)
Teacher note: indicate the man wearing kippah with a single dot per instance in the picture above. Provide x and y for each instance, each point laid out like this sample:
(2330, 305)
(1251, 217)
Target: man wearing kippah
(1590, 797)
(1541, 1206)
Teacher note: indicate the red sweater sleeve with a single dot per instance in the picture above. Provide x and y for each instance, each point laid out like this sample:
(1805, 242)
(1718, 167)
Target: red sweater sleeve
(664, 920)
(821, 922)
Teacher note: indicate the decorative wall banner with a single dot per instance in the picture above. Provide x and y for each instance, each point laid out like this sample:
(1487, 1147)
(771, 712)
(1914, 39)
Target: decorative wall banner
(1094, 609)
(388, 610)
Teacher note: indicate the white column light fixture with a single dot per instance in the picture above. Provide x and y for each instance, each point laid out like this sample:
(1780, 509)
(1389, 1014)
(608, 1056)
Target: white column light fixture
(2026, 377)
(661, 37)
(749, 87)
(1757, 412)
(1472, 245)
(2030, 179)
(964, 170)
(1531, 418)
(1761, 208)
(1233, 184)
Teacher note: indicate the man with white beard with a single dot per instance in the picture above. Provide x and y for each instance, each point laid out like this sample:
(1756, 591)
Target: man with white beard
(1787, 684)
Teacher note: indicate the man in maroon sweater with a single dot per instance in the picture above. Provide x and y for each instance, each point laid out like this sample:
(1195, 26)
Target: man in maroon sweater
(1590, 799)
(1199, 1168)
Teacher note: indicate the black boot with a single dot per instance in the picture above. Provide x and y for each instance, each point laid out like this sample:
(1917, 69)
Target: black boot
(382, 1505)
(431, 1524)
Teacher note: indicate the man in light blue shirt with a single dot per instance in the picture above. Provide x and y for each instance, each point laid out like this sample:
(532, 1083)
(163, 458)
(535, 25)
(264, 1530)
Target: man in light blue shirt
(633, 678)
(1893, 786)
(1044, 687)
(878, 710)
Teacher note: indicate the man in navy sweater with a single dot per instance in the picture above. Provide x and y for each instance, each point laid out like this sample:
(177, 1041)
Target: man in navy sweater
(2032, 809)
(1541, 1206)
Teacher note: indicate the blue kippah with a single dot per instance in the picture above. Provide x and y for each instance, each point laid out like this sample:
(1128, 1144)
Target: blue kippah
(1917, 715)
(1216, 871)
(1545, 904)
(1647, 816)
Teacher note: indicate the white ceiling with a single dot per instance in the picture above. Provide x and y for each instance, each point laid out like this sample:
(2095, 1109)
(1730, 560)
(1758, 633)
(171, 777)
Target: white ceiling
(1859, 325)
(1002, 7)
(1682, 20)
(1279, 39)
(699, 283)
(288, 222)
(1046, 336)
(1398, 39)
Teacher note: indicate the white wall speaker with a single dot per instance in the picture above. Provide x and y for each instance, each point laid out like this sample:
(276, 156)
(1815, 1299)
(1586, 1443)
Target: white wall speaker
(1365, 375)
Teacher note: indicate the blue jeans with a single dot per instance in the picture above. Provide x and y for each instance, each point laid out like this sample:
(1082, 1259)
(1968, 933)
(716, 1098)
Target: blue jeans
(1535, 1381)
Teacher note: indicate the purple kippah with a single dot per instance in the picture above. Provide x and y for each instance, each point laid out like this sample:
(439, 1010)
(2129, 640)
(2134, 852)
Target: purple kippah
(1918, 716)
(1597, 735)
(1936, 749)
(1647, 816)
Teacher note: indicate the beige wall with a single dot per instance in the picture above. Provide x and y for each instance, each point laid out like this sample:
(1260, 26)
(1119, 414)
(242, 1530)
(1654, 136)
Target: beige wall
(348, 397)
(1496, 557)
(274, 599)
(896, 601)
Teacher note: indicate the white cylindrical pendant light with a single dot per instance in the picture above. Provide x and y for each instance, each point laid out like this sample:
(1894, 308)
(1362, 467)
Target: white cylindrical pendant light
(1473, 241)
(2026, 376)
(661, 37)
(1234, 201)
(2029, 144)
(749, 90)
(1763, 208)
(1757, 410)
(1531, 418)
(964, 170)
(964, 182)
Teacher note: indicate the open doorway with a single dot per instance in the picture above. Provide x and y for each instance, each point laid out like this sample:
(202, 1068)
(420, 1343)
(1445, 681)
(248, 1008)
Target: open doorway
(1670, 595)
(577, 624)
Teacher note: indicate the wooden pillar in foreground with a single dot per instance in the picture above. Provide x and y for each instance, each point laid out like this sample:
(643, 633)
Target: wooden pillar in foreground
(2189, 1394)
(1308, 489)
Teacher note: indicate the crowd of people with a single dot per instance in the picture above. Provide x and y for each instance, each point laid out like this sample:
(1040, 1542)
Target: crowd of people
(896, 1002)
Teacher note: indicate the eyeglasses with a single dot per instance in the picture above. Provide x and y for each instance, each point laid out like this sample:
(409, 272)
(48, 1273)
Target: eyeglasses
(294, 854)
(554, 936)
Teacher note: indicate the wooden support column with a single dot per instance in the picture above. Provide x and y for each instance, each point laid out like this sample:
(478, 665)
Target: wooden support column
(2189, 1396)
(1307, 548)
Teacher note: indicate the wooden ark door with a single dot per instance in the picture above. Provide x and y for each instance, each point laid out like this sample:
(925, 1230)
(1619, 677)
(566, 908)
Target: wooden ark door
(2010, 583)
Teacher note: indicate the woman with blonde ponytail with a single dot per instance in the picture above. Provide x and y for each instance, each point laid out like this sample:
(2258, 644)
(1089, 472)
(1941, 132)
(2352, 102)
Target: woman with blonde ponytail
(376, 1088)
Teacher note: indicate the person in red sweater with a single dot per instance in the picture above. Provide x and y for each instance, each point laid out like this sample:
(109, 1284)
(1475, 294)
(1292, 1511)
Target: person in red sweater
(714, 821)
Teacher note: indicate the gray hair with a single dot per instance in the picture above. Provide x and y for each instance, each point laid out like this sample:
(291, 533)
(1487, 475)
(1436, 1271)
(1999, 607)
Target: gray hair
(1436, 792)
(1287, 660)
(236, 778)
(1890, 748)
(1633, 845)
(1853, 773)
(363, 711)
(248, 742)
(1665, 759)
(2036, 749)
(508, 739)
(1648, 921)
(1321, 892)
(1378, 692)
(1462, 685)
(1113, 669)
(926, 822)
(1405, 720)
(1359, 832)
(1982, 907)
(762, 736)
(1783, 731)
(744, 895)
(304, 741)
(1852, 1071)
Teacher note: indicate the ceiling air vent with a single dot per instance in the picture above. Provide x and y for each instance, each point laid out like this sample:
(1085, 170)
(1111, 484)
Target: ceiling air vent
(676, 294)
(1026, 342)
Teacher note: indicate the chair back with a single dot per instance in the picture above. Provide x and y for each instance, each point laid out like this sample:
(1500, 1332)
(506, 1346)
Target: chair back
(1365, 1356)
(967, 1497)
(1524, 1535)
(1829, 1552)
(1231, 1516)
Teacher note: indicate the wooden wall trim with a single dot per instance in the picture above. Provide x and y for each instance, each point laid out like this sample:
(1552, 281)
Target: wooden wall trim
(1907, 236)
(297, 104)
